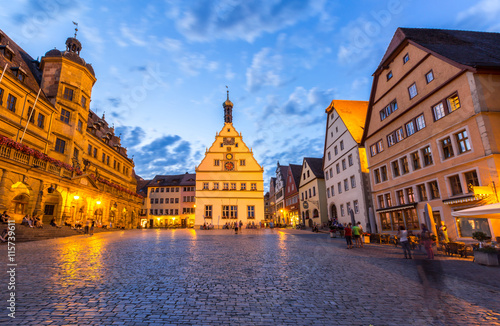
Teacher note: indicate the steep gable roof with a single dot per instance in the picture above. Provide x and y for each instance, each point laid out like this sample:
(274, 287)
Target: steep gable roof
(353, 114)
(22, 60)
(316, 166)
(296, 172)
(469, 48)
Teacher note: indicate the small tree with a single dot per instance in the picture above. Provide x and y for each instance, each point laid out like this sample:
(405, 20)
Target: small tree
(479, 236)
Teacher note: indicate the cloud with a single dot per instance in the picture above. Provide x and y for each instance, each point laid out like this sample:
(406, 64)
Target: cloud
(265, 70)
(488, 10)
(166, 154)
(247, 20)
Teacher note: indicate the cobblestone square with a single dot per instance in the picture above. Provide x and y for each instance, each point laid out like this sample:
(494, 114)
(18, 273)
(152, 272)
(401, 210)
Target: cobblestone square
(257, 277)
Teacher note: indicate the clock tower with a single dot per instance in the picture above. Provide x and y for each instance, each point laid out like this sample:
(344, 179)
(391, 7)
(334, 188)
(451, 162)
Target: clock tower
(229, 180)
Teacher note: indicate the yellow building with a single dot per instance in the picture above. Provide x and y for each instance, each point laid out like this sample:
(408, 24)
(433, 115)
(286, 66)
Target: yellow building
(229, 181)
(58, 159)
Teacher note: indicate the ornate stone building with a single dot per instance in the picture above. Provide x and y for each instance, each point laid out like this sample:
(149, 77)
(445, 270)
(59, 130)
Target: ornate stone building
(229, 180)
(58, 159)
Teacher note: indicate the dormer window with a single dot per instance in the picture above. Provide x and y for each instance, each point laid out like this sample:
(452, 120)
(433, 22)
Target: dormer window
(7, 52)
(19, 73)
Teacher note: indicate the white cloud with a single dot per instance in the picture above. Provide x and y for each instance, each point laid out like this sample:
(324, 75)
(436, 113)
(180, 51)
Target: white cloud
(247, 20)
(133, 35)
(229, 75)
(486, 9)
(265, 70)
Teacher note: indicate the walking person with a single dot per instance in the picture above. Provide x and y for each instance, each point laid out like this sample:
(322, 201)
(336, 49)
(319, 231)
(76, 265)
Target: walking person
(92, 227)
(87, 225)
(356, 234)
(348, 235)
(403, 239)
(426, 239)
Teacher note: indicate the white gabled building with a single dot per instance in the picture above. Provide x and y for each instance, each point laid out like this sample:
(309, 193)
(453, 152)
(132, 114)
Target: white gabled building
(313, 205)
(345, 165)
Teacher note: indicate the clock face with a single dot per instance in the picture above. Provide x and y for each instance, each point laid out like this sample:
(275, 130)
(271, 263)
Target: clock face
(229, 166)
(229, 156)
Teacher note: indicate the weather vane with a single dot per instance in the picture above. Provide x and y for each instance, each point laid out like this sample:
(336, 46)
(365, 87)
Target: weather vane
(76, 28)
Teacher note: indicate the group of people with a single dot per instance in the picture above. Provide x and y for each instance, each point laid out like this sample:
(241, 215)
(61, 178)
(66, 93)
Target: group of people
(32, 222)
(425, 239)
(89, 227)
(353, 232)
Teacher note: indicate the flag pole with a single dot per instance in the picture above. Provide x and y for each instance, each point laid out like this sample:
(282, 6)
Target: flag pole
(3, 72)
(31, 114)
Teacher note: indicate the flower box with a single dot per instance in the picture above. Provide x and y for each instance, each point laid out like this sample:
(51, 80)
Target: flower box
(486, 258)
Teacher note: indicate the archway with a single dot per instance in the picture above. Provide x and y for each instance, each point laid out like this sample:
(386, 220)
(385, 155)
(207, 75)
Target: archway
(333, 212)
(20, 204)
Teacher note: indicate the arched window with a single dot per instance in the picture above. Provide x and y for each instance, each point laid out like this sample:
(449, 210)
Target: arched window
(315, 213)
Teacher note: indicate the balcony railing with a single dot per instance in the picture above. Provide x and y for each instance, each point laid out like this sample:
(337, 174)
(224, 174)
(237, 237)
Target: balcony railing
(31, 161)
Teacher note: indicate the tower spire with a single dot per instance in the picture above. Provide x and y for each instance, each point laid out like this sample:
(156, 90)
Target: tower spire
(228, 109)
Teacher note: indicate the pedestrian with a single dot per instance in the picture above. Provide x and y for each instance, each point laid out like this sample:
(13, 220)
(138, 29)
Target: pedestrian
(92, 227)
(443, 233)
(403, 239)
(425, 237)
(241, 225)
(87, 224)
(348, 235)
(356, 234)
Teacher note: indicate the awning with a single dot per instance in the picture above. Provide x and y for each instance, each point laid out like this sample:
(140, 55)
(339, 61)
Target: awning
(396, 208)
(485, 211)
(464, 199)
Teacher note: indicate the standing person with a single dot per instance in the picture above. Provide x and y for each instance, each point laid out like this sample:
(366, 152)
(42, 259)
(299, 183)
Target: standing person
(241, 225)
(403, 239)
(348, 235)
(425, 237)
(87, 224)
(443, 233)
(361, 233)
(356, 234)
(92, 227)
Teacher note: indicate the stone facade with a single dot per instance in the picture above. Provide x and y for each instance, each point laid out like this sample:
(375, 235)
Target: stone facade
(59, 160)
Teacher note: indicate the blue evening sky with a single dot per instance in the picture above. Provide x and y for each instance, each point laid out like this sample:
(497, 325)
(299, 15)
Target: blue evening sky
(162, 66)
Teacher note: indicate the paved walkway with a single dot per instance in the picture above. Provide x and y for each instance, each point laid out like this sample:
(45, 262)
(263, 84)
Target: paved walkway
(258, 277)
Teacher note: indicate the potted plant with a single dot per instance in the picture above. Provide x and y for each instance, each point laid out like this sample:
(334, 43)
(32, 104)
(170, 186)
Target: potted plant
(484, 255)
(479, 236)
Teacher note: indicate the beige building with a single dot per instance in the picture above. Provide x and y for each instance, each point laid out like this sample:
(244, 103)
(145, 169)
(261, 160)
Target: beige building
(170, 201)
(345, 166)
(58, 159)
(432, 130)
(229, 181)
(312, 192)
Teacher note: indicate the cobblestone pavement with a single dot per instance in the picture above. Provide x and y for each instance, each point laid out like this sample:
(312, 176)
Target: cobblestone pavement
(257, 277)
